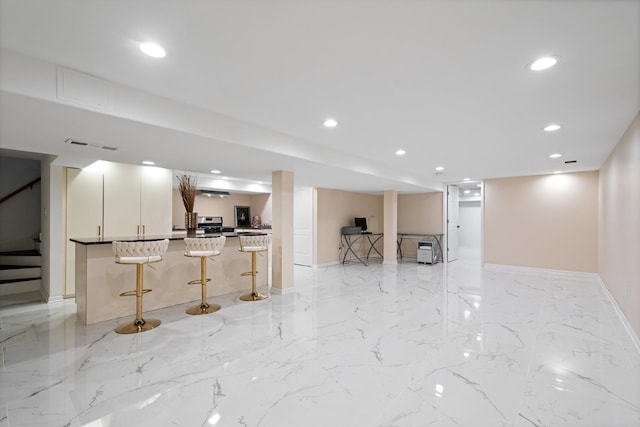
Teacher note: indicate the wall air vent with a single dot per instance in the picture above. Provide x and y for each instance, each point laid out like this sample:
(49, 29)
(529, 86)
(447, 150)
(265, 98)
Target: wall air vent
(214, 193)
(570, 161)
(75, 142)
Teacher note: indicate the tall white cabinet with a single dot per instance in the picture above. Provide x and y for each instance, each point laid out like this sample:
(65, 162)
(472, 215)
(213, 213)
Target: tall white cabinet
(115, 200)
(137, 200)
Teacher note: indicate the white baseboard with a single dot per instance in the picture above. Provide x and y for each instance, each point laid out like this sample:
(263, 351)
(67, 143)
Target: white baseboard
(55, 299)
(279, 291)
(546, 271)
(623, 319)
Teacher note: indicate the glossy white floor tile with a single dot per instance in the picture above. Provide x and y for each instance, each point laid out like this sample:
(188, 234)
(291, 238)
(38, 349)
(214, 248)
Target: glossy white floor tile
(406, 345)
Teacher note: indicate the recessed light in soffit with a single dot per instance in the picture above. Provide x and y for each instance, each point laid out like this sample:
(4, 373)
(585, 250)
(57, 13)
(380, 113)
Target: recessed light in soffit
(543, 63)
(330, 123)
(153, 50)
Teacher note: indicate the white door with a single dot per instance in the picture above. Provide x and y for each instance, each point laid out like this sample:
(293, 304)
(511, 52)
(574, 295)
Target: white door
(303, 226)
(453, 224)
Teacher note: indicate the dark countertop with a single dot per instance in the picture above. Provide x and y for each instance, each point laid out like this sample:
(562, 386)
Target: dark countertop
(109, 240)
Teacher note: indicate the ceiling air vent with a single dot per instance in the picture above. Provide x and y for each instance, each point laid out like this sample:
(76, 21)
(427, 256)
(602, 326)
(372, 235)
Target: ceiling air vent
(570, 161)
(72, 141)
(76, 142)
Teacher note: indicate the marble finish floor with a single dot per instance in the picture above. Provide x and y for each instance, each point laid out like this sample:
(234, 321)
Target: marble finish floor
(406, 345)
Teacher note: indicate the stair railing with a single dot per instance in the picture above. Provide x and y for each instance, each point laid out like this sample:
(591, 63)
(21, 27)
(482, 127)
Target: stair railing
(19, 190)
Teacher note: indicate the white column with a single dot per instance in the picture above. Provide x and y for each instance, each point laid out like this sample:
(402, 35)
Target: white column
(282, 243)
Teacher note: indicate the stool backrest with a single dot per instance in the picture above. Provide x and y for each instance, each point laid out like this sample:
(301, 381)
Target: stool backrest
(147, 248)
(204, 243)
(254, 242)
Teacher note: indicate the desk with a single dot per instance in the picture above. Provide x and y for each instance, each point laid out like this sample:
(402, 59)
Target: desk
(420, 236)
(351, 239)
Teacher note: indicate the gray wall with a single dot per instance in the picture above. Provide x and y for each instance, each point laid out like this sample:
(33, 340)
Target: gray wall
(20, 215)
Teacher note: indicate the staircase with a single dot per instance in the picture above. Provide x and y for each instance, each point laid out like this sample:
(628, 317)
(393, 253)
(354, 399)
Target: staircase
(20, 277)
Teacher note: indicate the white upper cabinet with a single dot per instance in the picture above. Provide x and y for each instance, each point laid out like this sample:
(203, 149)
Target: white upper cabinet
(121, 200)
(156, 201)
(137, 200)
(84, 202)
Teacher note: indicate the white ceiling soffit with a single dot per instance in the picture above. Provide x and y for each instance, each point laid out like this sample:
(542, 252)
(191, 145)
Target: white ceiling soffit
(246, 85)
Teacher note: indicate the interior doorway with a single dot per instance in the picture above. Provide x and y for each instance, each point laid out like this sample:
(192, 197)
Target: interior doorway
(453, 226)
(303, 226)
(464, 220)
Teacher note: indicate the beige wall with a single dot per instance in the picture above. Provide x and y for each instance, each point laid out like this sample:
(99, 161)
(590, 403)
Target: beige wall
(260, 204)
(620, 224)
(337, 208)
(420, 213)
(545, 221)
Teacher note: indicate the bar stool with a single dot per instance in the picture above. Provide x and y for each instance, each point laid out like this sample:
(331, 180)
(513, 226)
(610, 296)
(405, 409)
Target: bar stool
(139, 253)
(203, 247)
(254, 243)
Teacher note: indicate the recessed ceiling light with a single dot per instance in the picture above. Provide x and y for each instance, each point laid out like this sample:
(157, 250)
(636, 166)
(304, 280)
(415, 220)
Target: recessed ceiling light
(330, 123)
(467, 191)
(148, 162)
(555, 155)
(476, 194)
(466, 179)
(543, 63)
(479, 185)
(215, 171)
(400, 152)
(152, 49)
(557, 172)
(439, 168)
(225, 177)
(552, 127)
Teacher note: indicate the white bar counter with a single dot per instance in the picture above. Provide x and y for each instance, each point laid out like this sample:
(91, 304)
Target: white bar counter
(100, 281)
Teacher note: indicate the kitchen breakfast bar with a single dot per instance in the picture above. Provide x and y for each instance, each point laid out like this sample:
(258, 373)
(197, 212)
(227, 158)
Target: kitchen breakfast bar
(100, 281)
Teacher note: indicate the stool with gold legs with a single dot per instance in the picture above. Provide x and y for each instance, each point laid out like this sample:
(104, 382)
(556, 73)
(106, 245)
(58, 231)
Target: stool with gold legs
(203, 247)
(254, 243)
(139, 253)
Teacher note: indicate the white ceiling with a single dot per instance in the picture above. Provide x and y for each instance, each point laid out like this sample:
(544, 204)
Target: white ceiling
(246, 86)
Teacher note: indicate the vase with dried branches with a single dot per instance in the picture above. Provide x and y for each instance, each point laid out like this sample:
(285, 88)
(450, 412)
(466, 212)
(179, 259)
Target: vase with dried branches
(187, 186)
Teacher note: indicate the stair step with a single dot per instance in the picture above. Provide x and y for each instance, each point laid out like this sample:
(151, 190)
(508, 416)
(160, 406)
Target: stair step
(29, 252)
(13, 272)
(20, 298)
(11, 287)
(30, 257)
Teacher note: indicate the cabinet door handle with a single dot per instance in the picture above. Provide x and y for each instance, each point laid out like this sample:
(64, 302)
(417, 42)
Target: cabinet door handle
(138, 230)
(99, 230)
(143, 232)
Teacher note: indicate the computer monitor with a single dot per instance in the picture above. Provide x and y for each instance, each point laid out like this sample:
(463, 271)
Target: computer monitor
(361, 222)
